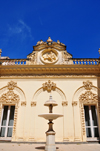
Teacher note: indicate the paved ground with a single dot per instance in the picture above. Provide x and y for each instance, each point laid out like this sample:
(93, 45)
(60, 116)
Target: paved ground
(40, 147)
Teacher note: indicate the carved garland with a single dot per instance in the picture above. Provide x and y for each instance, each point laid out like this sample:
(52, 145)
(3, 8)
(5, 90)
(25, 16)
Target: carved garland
(10, 98)
(86, 98)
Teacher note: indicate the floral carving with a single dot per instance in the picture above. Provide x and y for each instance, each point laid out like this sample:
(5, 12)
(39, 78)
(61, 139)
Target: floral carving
(48, 86)
(64, 103)
(88, 97)
(11, 85)
(9, 97)
(33, 104)
(87, 85)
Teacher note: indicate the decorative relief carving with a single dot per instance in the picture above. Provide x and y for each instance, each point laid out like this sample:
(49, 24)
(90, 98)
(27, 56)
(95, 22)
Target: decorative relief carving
(49, 56)
(83, 120)
(0, 110)
(11, 85)
(23, 103)
(74, 103)
(87, 85)
(99, 105)
(9, 97)
(15, 120)
(33, 104)
(64, 103)
(88, 97)
(48, 86)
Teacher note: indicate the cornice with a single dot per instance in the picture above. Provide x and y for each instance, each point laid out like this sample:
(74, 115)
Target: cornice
(49, 70)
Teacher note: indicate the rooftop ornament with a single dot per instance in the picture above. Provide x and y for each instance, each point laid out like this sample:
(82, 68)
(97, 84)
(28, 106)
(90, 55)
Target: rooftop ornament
(99, 52)
(49, 40)
(0, 53)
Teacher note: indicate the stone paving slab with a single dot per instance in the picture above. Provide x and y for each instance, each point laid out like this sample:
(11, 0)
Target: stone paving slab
(40, 147)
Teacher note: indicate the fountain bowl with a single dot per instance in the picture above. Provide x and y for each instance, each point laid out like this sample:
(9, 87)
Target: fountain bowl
(50, 116)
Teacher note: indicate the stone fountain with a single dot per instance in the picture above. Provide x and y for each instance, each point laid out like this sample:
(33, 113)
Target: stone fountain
(50, 134)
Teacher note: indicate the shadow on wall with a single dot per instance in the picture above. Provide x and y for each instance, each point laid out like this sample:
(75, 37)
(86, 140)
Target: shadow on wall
(43, 147)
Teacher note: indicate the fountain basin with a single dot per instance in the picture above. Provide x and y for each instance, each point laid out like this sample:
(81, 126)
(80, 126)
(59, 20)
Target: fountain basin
(50, 116)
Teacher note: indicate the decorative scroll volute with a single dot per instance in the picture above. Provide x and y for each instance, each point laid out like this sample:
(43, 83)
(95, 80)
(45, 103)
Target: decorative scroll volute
(87, 85)
(48, 86)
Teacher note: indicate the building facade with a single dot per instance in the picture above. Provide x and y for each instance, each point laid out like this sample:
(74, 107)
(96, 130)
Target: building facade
(25, 85)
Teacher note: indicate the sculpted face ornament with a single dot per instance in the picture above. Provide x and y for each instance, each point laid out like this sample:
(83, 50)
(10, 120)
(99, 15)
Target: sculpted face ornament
(49, 56)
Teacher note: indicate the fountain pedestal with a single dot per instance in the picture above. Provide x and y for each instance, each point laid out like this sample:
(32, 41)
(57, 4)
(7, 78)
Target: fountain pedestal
(50, 134)
(50, 141)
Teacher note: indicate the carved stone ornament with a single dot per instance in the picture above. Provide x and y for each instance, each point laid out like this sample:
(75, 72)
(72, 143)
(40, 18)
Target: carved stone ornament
(87, 85)
(9, 97)
(49, 56)
(11, 85)
(23, 103)
(88, 97)
(48, 86)
(74, 103)
(33, 104)
(64, 103)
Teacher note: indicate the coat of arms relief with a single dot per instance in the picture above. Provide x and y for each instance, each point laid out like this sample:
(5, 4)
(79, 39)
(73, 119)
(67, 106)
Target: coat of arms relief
(49, 56)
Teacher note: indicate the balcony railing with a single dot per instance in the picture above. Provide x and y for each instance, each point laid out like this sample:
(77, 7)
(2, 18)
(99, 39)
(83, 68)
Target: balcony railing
(72, 61)
(13, 61)
(85, 61)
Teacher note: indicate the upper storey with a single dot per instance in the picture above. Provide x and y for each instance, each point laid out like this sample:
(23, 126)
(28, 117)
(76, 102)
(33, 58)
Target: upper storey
(49, 52)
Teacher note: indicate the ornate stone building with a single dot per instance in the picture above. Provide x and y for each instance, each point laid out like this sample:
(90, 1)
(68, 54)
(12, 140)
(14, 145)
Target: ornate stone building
(25, 85)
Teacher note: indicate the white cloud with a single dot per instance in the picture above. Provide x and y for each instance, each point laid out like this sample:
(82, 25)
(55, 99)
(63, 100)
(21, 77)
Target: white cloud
(20, 29)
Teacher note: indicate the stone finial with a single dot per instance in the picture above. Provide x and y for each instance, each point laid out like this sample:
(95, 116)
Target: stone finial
(99, 52)
(49, 40)
(58, 41)
(0, 53)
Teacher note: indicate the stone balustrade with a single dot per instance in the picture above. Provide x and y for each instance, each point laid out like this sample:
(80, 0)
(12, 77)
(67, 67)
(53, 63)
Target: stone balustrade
(85, 61)
(74, 61)
(13, 61)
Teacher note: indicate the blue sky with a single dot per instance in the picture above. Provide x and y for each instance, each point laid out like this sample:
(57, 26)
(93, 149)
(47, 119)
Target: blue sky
(76, 23)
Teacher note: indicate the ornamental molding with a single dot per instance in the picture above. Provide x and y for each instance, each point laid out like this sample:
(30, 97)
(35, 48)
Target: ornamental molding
(87, 85)
(87, 98)
(10, 98)
(74, 103)
(33, 104)
(48, 86)
(23, 103)
(37, 70)
(64, 103)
